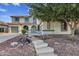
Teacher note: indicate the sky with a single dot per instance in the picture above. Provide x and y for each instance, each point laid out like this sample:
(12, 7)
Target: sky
(12, 9)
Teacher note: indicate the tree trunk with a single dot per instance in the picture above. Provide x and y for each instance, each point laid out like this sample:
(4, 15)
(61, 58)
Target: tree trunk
(72, 34)
(48, 25)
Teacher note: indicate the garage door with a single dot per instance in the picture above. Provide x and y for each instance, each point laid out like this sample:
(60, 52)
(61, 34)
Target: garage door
(14, 29)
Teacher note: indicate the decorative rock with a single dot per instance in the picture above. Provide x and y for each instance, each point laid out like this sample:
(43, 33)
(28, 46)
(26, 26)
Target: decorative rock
(14, 44)
(56, 43)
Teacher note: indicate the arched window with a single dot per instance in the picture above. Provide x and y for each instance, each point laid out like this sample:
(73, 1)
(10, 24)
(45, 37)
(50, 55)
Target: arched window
(33, 27)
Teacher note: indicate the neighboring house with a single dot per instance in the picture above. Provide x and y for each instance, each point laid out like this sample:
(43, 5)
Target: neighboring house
(3, 27)
(31, 24)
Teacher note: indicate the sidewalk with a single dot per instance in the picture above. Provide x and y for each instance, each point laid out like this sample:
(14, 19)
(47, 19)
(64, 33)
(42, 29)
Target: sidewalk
(4, 37)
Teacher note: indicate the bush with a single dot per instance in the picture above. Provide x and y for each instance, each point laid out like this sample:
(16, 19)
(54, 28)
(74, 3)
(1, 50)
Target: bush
(23, 31)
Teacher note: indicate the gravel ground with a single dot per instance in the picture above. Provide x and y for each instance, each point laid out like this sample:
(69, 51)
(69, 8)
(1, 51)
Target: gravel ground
(7, 50)
(63, 46)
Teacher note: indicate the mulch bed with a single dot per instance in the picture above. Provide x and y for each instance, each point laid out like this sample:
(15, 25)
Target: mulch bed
(6, 50)
(63, 46)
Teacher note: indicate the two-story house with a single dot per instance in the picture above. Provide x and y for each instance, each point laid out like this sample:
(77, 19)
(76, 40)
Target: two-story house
(32, 24)
(18, 23)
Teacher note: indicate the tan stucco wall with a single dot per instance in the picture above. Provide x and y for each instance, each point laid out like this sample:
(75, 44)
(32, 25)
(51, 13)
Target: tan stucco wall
(57, 27)
(12, 20)
(21, 20)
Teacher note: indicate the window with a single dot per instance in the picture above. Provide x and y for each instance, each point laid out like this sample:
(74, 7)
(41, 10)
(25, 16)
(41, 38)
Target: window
(17, 19)
(34, 21)
(1, 29)
(14, 29)
(26, 20)
(63, 26)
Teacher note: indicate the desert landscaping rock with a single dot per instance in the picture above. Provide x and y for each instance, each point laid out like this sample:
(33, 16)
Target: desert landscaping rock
(63, 46)
(14, 44)
(6, 50)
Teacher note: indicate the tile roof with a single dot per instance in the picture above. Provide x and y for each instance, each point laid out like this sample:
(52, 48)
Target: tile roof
(21, 16)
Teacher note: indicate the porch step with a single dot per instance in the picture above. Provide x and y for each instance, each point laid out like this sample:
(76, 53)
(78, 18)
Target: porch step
(40, 45)
(35, 42)
(33, 39)
(47, 54)
(44, 50)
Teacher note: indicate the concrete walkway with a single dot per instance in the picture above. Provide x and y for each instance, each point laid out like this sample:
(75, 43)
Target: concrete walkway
(42, 48)
(6, 36)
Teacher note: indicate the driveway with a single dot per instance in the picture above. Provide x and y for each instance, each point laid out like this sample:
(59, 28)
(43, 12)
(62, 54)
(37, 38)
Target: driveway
(6, 36)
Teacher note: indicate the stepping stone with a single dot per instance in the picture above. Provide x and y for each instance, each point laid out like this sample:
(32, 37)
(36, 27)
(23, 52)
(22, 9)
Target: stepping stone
(47, 54)
(37, 41)
(33, 39)
(40, 45)
(44, 50)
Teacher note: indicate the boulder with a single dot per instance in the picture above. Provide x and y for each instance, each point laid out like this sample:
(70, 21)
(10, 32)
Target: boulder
(14, 44)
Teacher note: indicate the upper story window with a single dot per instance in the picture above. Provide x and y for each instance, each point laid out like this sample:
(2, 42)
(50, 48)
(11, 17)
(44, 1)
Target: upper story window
(34, 21)
(16, 19)
(63, 26)
(26, 20)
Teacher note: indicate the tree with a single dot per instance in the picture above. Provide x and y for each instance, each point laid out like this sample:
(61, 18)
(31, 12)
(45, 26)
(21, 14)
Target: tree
(57, 12)
(42, 12)
(69, 13)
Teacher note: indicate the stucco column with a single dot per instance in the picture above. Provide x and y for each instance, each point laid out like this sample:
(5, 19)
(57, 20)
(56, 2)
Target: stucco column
(41, 27)
(20, 28)
(29, 31)
(9, 29)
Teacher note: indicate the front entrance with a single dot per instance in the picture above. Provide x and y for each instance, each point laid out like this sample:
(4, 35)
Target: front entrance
(26, 27)
(33, 28)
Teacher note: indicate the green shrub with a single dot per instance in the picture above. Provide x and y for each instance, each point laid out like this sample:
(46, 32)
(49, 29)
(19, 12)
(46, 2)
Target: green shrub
(23, 31)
